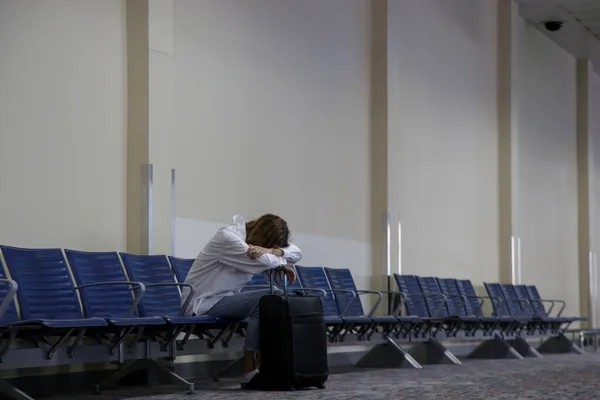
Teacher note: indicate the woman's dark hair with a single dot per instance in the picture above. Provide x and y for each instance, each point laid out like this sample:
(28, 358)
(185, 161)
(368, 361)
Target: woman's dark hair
(269, 231)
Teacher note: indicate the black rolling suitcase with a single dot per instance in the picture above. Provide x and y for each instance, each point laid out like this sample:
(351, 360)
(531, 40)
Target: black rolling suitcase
(293, 342)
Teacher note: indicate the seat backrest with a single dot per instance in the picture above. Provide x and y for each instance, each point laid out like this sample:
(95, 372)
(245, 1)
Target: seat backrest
(258, 282)
(157, 301)
(436, 304)
(11, 314)
(46, 288)
(315, 278)
(181, 267)
(498, 300)
(533, 307)
(454, 303)
(101, 301)
(465, 287)
(341, 278)
(516, 307)
(536, 299)
(414, 301)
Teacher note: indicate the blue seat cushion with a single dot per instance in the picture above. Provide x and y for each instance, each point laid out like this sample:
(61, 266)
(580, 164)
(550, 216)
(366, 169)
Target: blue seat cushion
(357, 319)
(135, 321)
(469, 318)
(64, 323)
(409, 318)
(333, 320)
(489, 319)
(506, 319)
(198, 319)
(388, 319)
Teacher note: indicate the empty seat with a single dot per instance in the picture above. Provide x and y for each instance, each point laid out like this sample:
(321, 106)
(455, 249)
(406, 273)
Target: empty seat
(351, 306)
(162, 297)
(181, 267)
(458, 306)
(504, 309)
(540, 311)
(47, 294)
(106, 292)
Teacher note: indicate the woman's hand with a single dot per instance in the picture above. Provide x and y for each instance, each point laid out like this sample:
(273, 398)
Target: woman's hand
(255, 252)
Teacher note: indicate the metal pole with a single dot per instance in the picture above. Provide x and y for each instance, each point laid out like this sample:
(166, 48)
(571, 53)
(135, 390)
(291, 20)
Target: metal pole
(173, 211)
(150, 176)
(388, 262)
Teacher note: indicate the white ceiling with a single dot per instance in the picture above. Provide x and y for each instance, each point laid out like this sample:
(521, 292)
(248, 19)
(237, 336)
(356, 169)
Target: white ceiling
(580, 34)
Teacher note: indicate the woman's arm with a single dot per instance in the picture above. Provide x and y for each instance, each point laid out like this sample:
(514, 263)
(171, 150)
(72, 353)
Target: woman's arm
(292, 253)
(234, 254)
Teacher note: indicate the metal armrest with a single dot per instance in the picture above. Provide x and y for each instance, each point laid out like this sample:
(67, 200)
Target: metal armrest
(542, 304)
(492, 298)
(524, 301)
(377, 303)
(380, 293)
(134, 285)
(188, 298)
(306, 290)
(10, 294)
(553, 302)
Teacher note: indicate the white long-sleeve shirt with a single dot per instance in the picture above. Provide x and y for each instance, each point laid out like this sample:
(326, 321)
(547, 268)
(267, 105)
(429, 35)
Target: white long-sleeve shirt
(223, 267)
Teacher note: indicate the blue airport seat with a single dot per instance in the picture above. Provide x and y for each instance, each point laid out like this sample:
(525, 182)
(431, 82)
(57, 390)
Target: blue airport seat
(47, 294)
(314, 278)
(106, 292)
(442, 306)
(181, 267)
(416, 303)
(540, 311)
(473, 306)
(341, 279)
(258, 282)
(162, 297)
(505, 309)
(457, 305)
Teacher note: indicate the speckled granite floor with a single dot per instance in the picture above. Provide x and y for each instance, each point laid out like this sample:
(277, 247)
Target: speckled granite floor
(560, 377)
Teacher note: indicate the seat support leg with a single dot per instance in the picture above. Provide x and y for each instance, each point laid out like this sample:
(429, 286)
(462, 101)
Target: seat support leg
(559, 344)
(233, 365)
(147, 365)
(523, 347)
(9, 391)
(388, 355)
(433, 352)
(494, 349)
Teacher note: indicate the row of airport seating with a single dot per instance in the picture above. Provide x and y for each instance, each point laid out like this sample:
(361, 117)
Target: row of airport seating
(62, 301)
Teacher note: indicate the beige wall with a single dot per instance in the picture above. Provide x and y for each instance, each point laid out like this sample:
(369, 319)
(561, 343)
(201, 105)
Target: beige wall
(268, 106)
(442, 150)
(62, 123)
(594, 132)
(547, 173)
(272, 115)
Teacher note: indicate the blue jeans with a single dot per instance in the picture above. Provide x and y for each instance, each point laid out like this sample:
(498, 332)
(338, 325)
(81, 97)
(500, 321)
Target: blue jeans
(240, 306)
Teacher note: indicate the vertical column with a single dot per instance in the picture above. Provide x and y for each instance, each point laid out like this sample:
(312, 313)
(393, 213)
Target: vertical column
(585, 174)
(378, 128)
(160, 117)
(508, 132)
(150, 123)
(137, 125)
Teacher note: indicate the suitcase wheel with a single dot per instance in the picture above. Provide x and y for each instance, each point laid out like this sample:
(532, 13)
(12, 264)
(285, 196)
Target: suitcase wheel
(321, 386)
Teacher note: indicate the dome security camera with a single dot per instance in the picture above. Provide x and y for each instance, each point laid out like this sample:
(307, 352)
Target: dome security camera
(553, 26)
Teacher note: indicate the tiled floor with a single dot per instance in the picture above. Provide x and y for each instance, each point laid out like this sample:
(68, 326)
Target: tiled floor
(568, 377)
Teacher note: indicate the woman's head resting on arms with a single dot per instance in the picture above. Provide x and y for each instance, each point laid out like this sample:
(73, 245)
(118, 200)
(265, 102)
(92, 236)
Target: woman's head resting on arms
(268, 231)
